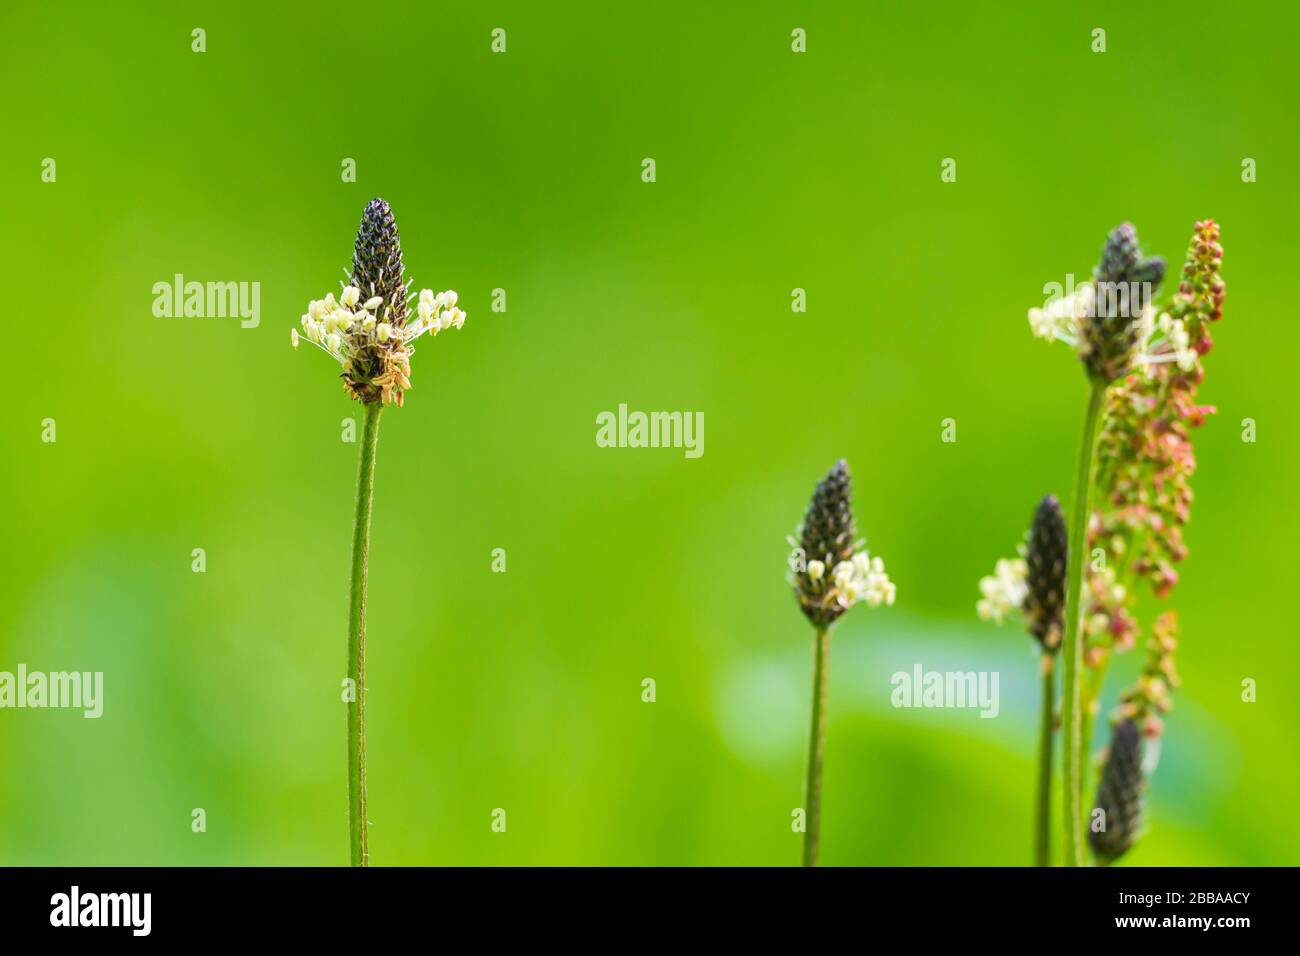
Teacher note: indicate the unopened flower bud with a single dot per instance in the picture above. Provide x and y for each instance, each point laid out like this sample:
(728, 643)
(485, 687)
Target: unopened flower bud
(1045, 560)
(1119, 796)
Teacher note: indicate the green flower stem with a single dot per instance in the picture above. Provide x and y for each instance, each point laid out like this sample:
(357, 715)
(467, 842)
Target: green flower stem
(1091, 700)
(1072, 648)
(1043, 818)
(360, 851)
(816, 745)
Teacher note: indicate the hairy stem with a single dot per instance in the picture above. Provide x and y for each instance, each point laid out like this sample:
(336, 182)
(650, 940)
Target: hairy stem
(1043, 818)
(360, 852)
(816, 745)
(1072, 647)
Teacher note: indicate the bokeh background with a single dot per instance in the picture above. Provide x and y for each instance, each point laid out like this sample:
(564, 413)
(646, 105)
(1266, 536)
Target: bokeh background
(522, 171)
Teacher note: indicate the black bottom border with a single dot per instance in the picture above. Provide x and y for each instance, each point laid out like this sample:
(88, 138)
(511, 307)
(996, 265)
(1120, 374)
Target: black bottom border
(572, 904)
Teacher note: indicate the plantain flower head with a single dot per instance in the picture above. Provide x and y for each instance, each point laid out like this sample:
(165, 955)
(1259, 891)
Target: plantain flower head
(367, 329)
(1046, 555)
(1109, 318)
(1033, 583)
(1119, 796)
(838, 571)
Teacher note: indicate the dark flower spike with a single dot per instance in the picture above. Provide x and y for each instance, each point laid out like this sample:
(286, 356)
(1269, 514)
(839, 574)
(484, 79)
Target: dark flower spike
(836, 572)
(1123, 285)
(1045, 560)
(366, 330)
(377, 260)
(1119, 796)
(1111, 320)
(828, 531)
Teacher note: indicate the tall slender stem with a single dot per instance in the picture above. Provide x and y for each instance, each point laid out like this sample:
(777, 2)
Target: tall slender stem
(1091, 702)
(816, 745)
(1072, 647)
(360, 851)
(1043, 818)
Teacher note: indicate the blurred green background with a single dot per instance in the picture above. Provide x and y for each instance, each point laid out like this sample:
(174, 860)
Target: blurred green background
(522, 171)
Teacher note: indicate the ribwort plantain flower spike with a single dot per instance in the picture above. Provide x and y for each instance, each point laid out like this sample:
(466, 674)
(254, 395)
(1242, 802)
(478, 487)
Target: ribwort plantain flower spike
(367, 330)
(1124, 285)
(1108, 318)
(1046, 557)
(377, 268)
(1033, 583)
(839, 571)
(1114, 830)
